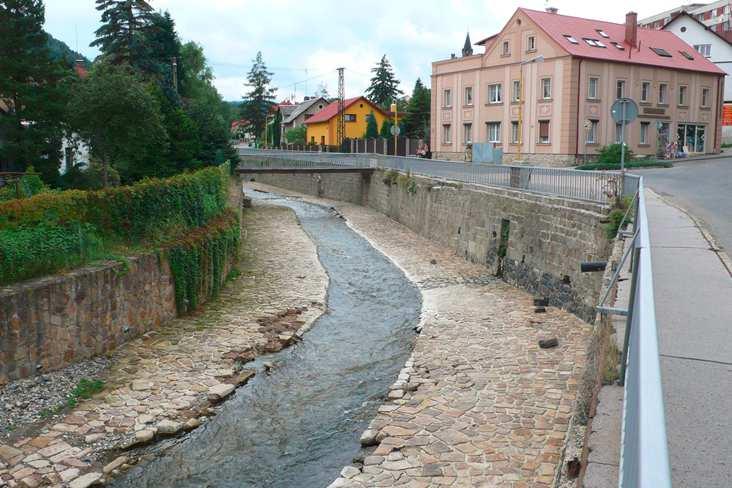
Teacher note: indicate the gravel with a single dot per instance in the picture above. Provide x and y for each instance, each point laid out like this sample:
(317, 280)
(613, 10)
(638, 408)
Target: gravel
(23, 401)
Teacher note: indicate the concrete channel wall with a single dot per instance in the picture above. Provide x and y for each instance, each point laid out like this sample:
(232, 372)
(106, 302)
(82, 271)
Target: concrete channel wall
(545, 237)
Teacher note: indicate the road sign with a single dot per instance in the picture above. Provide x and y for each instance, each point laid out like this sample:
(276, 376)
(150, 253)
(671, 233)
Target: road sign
(624, 110)
(395, 130)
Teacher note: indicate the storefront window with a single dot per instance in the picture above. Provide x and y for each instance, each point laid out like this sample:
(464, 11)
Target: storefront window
(691, 137)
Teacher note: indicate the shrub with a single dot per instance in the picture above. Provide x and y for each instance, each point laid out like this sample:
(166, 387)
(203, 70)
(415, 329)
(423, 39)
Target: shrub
(29, 184)
(611, 154)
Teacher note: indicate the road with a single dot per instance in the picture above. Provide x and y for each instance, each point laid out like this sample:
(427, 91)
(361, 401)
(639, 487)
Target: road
(704, 188)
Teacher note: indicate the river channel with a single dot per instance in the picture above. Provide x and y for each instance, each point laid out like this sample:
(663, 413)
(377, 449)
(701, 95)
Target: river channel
(299, 424)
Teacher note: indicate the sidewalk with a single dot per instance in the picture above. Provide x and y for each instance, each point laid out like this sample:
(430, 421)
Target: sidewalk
(693, 293)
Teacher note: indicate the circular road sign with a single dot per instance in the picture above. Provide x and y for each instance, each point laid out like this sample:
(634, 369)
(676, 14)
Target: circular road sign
(395, 130)
(624, 110)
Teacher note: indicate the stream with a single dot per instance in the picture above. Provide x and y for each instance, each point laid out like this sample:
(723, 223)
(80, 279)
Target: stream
(298, 425)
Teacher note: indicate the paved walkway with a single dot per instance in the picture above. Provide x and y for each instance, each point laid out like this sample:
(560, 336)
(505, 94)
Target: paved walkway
(693, 292)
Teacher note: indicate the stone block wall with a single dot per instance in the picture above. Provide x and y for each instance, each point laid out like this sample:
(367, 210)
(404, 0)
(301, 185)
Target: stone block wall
(548, 236)
(48, 323)
(346, 187)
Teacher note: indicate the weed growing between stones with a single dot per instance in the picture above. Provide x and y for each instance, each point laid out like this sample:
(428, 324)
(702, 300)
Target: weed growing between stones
(85, 389)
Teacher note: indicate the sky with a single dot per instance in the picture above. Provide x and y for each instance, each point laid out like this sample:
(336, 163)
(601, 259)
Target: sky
(304, 41)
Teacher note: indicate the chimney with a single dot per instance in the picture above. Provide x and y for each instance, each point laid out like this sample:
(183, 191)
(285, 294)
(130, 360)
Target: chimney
(552, 10)
(631, 29)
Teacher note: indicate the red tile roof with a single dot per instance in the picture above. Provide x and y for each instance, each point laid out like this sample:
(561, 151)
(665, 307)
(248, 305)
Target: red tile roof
(331, 110)
(557, 26)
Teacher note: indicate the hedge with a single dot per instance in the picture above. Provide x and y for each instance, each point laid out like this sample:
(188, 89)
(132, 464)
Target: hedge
(51, 231)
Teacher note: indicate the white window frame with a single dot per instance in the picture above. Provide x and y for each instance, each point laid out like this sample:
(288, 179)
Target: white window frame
(494, 93)
(590, 94)
(644, 128)
(493, 131)
(549, 132)
(531, 44)
(592, 131)
(546, 83)
(705, 97)
(663, 94)
(514, 132)
(704, 49)
(447, 98)
(645, 94)
(468, 95)
(620, 88)
(618, 133)
(682, 99)
(446, 134)
(505, 48)
(516, 91)
(467, 132)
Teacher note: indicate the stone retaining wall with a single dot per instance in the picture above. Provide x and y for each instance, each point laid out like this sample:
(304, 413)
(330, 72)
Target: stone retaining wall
(548, 237)
(48, 323)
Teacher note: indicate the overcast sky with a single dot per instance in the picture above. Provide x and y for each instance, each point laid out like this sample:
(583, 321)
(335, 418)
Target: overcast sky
(304, 41)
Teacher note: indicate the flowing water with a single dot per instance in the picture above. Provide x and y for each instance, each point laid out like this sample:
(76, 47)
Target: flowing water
(299, 425)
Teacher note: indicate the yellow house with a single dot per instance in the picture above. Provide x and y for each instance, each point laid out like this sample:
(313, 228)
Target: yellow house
(321, 127)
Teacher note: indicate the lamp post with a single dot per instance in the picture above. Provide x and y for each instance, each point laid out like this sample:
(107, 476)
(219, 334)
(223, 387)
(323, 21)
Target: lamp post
(395, 129)
(536, 59)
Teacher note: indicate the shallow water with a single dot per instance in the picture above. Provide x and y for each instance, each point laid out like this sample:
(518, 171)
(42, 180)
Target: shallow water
(300, 424)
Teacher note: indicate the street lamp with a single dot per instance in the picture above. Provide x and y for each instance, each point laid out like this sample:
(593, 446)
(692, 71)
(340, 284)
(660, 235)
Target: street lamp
(395, 129)
(536, 59)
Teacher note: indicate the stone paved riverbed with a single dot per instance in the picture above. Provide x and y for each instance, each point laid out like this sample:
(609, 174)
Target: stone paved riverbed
(479, 404)
(168, 381)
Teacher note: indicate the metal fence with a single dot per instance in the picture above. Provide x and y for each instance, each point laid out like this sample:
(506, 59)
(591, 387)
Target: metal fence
(592, 186)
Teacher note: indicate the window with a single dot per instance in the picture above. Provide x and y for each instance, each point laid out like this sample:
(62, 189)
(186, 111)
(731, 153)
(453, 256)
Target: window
(619, 133)
(531, 43)
(571, 39)
(543, 132)
(618, 45)
(692, 137)
(687, 55)
(516, 95)
(592, 131)
(494, 131)
(602, 33)
(704, 49)
(682, 94)
(446, 134)
(467, 133)
(494, 93)
(546, 88)
(620, 89)
(514, 132)
(645, 91)
(662, 93)
(644, 132)
(349, 117)
(592, 87)
(322, 140)
(705, 97)
(594, 42)
(661, 52)
(468, 95)
(447, 98)
(506, 49)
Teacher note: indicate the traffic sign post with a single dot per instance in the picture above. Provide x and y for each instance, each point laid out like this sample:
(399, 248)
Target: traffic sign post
(623, 110)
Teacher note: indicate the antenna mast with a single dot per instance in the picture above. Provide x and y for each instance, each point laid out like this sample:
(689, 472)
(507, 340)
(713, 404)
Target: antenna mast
(341, 122)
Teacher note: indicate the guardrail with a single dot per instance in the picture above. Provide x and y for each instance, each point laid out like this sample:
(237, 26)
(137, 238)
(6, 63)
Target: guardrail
(592, 186)
(644, 459)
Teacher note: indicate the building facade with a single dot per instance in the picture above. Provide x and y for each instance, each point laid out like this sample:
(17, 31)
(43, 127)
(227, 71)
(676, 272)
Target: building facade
(544, 87)
(322, 127)
(301, 113)
(715, 15)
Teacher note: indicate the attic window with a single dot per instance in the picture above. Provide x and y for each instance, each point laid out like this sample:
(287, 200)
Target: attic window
(687, 55)
(593, 42)
(571, 38)
(602, 33)
(617, 45)
(661, 52)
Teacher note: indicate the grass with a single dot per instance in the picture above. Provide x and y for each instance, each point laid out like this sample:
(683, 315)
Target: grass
(85, 389)
(610, 369)
(651, 163)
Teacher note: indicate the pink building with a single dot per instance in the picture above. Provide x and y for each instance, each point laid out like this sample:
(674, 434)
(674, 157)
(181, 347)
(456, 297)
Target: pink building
(543, 88)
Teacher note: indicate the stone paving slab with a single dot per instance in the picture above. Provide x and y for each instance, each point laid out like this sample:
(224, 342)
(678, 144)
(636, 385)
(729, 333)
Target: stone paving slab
(166, 382)
(479, 404)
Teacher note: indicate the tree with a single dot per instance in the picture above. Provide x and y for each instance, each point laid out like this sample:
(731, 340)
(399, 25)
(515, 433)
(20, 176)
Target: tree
(417, 117)
(122, 20)
(384, 86)
(116, 113)
(296, 135)
(157, 48)
(274, 129)
(33, 89)
(322, 90)
(372, 128)
(260, 98)
(386, 129)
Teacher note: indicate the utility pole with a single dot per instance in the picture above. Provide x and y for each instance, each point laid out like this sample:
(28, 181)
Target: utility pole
(174, 63)
(395, 129)
(341, 121)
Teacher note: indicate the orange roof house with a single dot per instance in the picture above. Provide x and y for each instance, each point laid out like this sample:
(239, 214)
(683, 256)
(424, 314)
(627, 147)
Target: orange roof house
(322, 126)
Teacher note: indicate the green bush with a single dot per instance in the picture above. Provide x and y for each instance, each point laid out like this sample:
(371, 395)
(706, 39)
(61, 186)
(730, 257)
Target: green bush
(611, 154)
(652, 163)
(29, 184)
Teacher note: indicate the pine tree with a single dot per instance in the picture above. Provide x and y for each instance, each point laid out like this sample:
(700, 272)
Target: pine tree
(384, 86)
(122, 20)
(260, 98)
(153, 55)
(385, 131)
(372, 128)
(33, 91)
(417, 117)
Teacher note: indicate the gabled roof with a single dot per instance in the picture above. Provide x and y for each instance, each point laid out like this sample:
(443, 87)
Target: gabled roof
(558, 26)
(301, 107)
(332, 110)
(703, 26)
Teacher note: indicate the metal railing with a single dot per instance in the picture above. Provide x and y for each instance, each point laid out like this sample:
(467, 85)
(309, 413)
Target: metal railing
(644, 459)
(592, 186)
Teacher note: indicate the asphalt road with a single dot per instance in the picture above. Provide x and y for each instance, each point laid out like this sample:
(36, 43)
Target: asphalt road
(704, 188)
